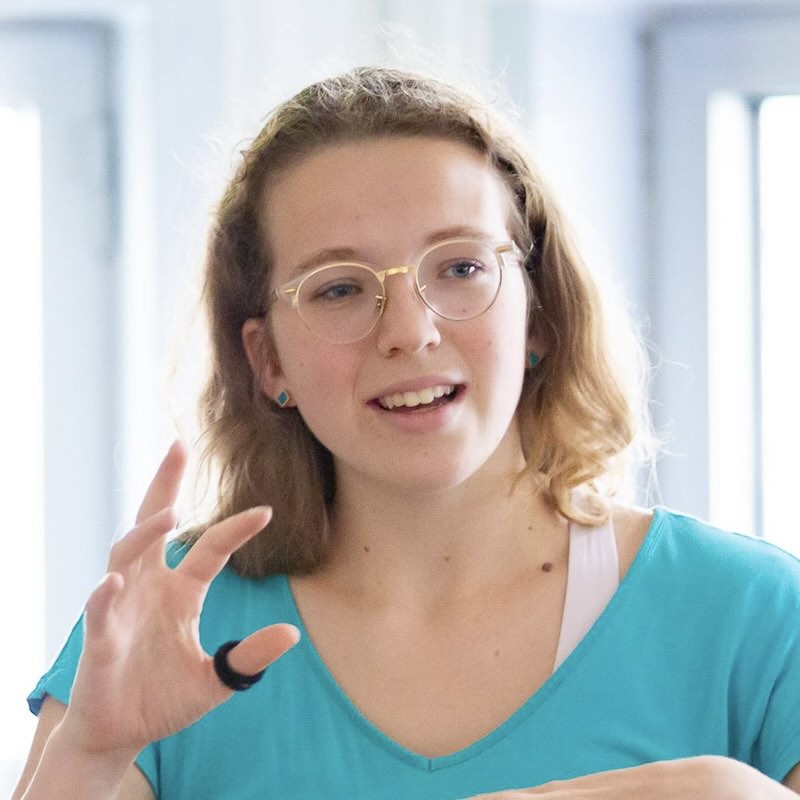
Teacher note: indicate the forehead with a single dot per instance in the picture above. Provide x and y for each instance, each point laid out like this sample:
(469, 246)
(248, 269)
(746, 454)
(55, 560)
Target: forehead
(381, 198)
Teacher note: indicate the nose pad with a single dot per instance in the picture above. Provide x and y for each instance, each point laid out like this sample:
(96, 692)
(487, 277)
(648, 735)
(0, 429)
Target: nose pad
(407, 324)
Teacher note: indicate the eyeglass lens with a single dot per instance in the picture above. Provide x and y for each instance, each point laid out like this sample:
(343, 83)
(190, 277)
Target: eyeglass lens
(457, 280)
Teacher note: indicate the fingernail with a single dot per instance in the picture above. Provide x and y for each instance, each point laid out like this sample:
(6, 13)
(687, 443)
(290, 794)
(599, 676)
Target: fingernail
(178, 446)
(265, 511)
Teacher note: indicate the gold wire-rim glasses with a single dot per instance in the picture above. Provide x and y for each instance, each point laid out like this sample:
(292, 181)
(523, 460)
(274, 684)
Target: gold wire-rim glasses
(290, 291)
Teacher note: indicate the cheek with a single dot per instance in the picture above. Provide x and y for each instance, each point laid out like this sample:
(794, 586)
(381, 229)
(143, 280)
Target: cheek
(505, 345)
(509, 326)
(498, 362)
(313, 380)
(317, 374)
(302, 356)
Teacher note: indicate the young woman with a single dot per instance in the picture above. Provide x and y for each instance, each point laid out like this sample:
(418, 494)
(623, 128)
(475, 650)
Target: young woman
(409, 367)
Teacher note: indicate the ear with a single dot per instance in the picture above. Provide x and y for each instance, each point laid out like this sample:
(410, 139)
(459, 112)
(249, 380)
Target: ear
(535, 344)
(263, 359)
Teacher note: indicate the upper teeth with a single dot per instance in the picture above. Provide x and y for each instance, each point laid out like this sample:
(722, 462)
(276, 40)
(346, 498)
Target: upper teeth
(420, 398)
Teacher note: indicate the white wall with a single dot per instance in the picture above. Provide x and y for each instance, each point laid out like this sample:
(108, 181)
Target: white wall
(587, 126)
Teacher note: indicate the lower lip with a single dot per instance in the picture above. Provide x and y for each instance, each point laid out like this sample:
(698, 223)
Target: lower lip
(419, 419)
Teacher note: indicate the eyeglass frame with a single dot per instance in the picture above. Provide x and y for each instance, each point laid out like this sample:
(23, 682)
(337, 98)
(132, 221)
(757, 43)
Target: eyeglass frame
(289, 292)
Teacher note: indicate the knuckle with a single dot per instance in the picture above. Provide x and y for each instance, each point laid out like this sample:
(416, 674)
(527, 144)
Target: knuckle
(117, 551)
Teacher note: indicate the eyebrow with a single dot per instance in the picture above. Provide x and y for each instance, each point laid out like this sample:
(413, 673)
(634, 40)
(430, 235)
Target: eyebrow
(329, 255)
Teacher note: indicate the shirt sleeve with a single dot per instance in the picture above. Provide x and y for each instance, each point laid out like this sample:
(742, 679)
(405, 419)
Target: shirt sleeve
(57, 681)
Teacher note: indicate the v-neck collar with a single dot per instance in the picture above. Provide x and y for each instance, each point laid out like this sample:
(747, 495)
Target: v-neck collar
(529, 707)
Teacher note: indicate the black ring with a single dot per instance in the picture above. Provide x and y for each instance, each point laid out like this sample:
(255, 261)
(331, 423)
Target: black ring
(229, 676)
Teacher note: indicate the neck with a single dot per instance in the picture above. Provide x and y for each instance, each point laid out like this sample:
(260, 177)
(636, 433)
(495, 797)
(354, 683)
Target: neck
(429, 548)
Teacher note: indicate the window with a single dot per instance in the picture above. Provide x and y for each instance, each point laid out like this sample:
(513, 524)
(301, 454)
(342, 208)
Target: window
(21, 427)
(779, 288)
(754, 252)
(726, 252)
(58, 348)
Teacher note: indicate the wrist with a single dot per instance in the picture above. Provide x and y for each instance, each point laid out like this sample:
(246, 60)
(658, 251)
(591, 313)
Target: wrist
(69, 770)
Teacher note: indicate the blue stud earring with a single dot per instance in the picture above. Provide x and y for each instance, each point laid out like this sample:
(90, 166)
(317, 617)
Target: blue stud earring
(533, 359)
(284, 399)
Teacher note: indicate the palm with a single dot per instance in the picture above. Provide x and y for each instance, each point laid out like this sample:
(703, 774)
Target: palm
(143, 674)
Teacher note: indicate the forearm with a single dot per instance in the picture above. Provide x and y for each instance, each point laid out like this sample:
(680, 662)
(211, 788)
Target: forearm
(65, 772)
(697, 778)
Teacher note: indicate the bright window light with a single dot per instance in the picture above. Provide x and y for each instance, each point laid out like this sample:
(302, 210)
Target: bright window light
(21, 430)
(779, 137)
(753, 287)
(731, 414)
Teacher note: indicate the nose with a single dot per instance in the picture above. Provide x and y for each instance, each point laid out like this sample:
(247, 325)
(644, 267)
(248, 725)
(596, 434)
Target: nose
(407, 325)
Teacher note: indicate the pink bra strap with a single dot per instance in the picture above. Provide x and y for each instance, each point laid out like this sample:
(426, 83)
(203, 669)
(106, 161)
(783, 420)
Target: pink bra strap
(592, 580)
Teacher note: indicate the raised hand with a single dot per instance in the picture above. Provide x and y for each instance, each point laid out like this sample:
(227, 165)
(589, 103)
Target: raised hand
(143, 674)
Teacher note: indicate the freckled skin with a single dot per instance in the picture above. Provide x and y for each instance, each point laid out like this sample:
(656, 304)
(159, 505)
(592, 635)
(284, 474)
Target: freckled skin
(385, 199)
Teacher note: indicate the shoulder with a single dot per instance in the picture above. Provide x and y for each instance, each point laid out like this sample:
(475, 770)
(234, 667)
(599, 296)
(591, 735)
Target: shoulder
(681, 551)
(737, 551)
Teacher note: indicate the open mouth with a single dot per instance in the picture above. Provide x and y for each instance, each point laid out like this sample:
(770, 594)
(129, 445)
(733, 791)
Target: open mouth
(430, 397)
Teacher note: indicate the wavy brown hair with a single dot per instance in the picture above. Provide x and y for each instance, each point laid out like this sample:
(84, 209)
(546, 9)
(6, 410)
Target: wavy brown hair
(576, 416)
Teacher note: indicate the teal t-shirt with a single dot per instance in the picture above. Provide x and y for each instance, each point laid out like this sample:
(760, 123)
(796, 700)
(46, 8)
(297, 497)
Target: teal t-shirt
(697, 653)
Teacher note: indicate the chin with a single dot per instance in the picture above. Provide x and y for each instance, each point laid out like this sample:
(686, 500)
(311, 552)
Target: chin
(434, 478)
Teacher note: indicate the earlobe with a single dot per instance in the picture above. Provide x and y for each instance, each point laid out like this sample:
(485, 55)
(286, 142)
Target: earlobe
(284, 399)
(262, 357)
(534, 352)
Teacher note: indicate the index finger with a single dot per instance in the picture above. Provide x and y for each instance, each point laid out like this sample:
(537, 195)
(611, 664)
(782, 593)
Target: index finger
(163, 489)
(211, 551)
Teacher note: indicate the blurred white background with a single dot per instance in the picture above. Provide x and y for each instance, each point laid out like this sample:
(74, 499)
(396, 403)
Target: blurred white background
(669, 130)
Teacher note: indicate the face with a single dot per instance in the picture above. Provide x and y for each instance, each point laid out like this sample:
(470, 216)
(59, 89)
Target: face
(383, 202)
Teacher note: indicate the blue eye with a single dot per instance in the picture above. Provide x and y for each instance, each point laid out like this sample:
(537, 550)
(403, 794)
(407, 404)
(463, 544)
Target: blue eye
(463, 269)
(338, 291)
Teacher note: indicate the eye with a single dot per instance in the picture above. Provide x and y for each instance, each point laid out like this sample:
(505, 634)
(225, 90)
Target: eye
(462, 268)
(340, 290)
